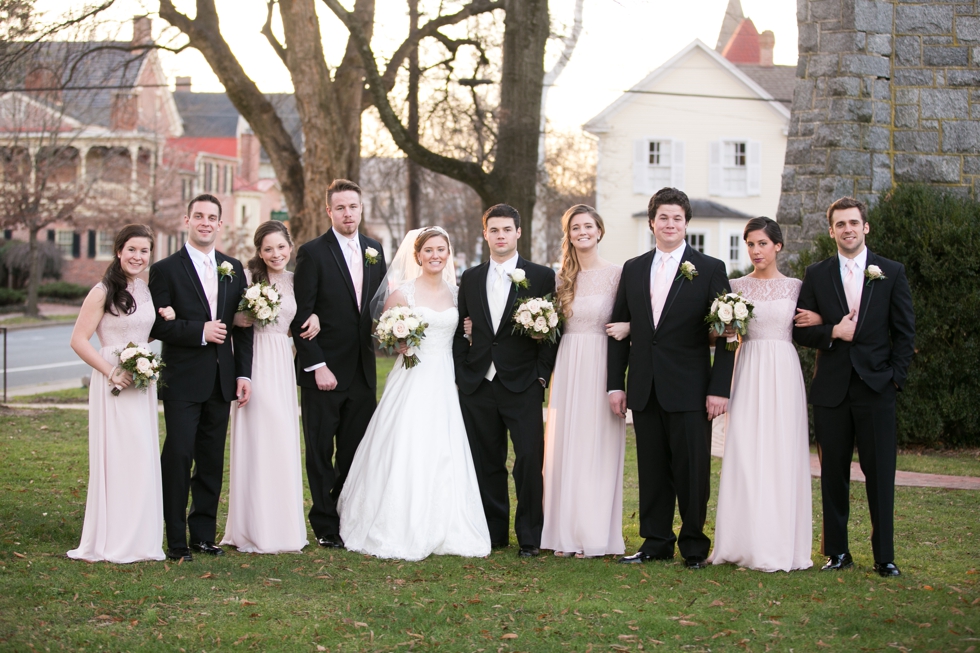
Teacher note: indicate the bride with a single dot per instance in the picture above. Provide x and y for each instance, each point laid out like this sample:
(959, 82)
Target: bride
(412, 488)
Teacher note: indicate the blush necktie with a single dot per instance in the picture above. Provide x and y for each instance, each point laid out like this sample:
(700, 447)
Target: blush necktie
(496, 302)
(356, 270)
(211, 287)
(661, 287)
(852, 287)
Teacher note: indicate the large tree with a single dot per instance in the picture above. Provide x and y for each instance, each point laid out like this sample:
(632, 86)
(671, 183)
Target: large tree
(511, 174)
(329, 100)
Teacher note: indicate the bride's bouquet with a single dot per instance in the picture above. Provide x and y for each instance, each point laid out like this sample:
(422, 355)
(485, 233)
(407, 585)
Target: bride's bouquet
(142, 363)
(262, 302)
(730, 310)
(401, 325)
(538, 318)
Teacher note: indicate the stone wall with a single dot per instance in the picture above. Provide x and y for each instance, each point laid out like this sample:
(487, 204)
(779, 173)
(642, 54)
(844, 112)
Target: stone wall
(887, 91)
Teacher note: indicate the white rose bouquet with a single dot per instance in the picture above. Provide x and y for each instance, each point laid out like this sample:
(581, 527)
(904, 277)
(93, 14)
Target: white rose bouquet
(730, 310)
(401, 325)
(262, 302)
(144, 365)
(539, 318)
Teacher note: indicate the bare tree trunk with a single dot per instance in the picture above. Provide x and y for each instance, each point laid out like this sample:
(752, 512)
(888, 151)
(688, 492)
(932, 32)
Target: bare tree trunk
(514, 175)
(34, 274)
(413, 217)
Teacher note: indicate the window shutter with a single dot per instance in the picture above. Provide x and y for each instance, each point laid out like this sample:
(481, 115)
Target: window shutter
(91, 243)
(677, 165)
(754, 161)
(640, 166)
(714, 169)
(76, 245)
(50, 235)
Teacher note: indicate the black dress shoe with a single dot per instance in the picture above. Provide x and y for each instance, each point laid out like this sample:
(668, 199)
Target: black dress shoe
(330, 542)
(208, 548)
(529, 552)
(499, 545)
(838, 562)
(887, 569)
(640, 557)
(182, 554)
(695, 563)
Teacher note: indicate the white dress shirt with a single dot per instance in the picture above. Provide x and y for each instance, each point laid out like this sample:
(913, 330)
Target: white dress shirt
(498, 301)
(861, 261)
(677, 255)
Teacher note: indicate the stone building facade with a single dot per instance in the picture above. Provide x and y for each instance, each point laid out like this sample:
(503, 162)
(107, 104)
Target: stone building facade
(887, 91)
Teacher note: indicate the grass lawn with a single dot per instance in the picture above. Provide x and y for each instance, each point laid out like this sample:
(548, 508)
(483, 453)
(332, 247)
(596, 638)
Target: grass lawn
(342, 601)
(24, 321)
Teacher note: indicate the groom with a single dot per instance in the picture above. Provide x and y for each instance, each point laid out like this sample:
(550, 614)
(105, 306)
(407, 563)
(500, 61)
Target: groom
(501, 379)
(208, 364)
(864, 348)
(336, 276)
(674, 390)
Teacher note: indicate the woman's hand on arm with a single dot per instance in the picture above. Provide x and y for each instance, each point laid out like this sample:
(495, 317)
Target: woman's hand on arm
(618, 330)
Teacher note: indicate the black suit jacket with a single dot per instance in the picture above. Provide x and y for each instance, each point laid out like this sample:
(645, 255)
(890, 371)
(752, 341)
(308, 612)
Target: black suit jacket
(884, 339)
(190, 371)
(674, 356)
(323, 285)
(519, 360)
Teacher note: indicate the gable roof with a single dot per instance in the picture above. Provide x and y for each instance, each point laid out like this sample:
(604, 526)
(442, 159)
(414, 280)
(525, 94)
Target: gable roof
(733, 17)
(743, 47)
(599, 123)
(708, 209)
(779, 81)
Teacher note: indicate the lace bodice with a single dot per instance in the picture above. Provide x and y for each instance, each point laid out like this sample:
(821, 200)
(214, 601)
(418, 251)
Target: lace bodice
(595, 292)
(284, 283)
(775, 306)
(117, 331)
(442, 324)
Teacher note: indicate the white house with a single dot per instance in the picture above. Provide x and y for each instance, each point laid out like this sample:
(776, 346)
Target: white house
(713, 124)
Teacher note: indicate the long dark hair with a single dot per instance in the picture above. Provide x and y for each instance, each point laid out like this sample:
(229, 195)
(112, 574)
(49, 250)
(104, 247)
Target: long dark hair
(117, 298)
(256, 266)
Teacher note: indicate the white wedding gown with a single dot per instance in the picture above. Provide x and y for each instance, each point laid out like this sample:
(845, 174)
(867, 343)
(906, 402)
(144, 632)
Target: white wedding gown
(412, 488)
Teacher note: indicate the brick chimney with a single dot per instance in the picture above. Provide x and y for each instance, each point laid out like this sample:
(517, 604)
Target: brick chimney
(142, 30)
(249, 157)
(125, 112)
(183, 85)
(767, 41)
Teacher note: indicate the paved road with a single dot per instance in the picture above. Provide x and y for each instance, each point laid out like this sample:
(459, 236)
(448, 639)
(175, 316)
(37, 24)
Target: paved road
(44, 356)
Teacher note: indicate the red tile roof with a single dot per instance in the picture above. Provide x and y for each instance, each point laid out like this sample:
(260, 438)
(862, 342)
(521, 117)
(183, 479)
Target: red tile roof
(743, 47)
(226, 146)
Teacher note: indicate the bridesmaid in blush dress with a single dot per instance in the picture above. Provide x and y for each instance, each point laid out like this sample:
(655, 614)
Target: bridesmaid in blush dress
(265, 499)
(584, 441)
(124, 507)
(764, 519)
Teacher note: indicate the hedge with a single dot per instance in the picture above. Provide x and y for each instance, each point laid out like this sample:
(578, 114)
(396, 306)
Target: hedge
(63, 290)
(10, 297)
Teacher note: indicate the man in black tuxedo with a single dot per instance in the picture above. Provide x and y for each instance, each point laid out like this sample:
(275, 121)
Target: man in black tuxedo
(674, 390)
(336, 276)
(864, 348)
(207, 366)
(501, 378)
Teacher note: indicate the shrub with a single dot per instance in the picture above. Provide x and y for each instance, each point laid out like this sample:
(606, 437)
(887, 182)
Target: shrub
(63, 290)
(936, 235)
(10, 297)
(15, 260)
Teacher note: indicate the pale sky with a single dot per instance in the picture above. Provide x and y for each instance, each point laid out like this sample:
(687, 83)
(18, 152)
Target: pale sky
(621, 42)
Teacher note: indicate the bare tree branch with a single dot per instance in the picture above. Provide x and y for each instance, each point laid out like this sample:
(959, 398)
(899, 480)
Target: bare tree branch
(270, 37)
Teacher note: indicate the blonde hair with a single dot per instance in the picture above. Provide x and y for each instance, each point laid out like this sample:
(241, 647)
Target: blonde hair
(568, 273)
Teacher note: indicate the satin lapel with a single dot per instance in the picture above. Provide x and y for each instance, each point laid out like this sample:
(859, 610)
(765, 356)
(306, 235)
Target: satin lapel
(645, 284)
(365, 275)
(481, 280)
(675, 287)
(222, 283)
(338, 255)
(185, 258)
(867, 289)
(511, 297)
(839, 285)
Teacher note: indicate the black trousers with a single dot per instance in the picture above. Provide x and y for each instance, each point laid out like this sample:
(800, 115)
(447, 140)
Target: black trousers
(489, 413)
(673, 455)
(341, 415)
(196, 434)
(867, 418)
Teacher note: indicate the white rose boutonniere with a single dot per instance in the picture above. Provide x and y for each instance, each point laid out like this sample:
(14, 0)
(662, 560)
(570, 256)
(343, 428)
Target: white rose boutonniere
(873, 273)
(226, 271)
(519, 278)
(371, 255)
(687, 270)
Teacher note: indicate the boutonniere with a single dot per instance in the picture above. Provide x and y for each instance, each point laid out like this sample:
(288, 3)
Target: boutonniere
(873, 273)
(371, 255)
(226, 271)
(519, 278)
(687, 270)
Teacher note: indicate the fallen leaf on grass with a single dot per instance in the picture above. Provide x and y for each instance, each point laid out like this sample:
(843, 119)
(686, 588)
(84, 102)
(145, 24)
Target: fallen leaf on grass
(244, 602)
(925, 625)
(509, 636)
(717, 603)
(685, 622)
(321, 648)
(207, 575)
(820, 643)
